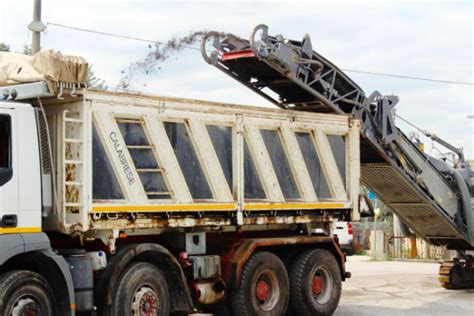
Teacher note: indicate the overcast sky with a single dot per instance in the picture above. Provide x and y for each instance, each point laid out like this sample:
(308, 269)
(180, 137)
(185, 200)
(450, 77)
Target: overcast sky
(431, 39)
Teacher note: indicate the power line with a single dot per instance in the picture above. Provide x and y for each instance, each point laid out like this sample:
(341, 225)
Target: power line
(408, 77)
(111, 34)
(195, 48)
(412, 124)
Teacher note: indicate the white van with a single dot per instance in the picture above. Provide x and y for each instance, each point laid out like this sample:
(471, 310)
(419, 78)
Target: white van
(343, 231)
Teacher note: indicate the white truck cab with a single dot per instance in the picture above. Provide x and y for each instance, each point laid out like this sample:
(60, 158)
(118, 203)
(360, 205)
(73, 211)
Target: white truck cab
(20, 174)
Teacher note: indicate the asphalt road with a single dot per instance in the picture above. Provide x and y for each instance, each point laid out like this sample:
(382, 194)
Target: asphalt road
(399, 288)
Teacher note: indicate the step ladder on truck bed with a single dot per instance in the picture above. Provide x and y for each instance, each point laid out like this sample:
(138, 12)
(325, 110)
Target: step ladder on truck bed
(428, 195)
(73, 165)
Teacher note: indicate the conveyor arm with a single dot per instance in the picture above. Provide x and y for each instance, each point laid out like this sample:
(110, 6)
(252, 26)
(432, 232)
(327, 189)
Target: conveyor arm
(426, 193)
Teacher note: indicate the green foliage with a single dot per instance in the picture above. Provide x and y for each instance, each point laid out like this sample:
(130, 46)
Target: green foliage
(95, 82)
(4, 47)
(361, 252)
(27, 49)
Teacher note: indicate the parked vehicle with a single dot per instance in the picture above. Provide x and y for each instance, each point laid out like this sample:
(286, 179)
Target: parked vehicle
(343, 231)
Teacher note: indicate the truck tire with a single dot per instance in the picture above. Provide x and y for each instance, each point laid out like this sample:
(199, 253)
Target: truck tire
(25, 293)
(263, 289)
(141, 290)
(315, 283)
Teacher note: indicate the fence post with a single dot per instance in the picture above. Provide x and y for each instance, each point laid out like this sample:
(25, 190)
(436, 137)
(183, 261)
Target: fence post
(413, 249)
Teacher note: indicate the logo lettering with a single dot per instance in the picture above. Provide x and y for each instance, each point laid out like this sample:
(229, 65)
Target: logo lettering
(123, 160)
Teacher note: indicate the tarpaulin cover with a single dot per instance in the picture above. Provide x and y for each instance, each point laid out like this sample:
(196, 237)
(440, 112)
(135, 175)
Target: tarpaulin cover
(49, 66)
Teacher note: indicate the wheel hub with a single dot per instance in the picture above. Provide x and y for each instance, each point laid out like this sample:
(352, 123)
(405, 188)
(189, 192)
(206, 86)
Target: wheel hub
(262, 291)
(26, 307)
(267, 291)
(318, 285)
(321, 284)
(145, 302)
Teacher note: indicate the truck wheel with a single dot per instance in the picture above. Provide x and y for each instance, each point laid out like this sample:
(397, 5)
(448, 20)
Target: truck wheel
(263, 288)
(142, 290)
(25, 293)
(315, 283)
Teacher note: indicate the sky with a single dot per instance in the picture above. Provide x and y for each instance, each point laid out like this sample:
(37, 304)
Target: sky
(432, 39)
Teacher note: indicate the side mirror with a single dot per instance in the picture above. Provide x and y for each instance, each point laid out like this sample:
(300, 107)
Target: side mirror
(366, 209)
(5, 175)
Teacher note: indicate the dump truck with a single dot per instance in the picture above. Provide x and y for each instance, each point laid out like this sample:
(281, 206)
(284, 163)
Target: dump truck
(433, 196)
(134, 204)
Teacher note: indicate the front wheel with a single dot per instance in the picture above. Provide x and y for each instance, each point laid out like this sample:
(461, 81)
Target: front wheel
(25, 293)
(315, 283)
(142, 290)
(263, 289)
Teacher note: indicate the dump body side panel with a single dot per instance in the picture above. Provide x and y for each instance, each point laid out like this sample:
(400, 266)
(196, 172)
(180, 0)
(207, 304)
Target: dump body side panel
(127, 162)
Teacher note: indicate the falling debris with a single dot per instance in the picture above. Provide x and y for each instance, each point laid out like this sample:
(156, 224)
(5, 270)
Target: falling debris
(160, 52)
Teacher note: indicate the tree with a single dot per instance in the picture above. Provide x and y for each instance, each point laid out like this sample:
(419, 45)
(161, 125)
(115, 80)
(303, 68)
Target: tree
(27, 49)
(95, 82)
(4, 47)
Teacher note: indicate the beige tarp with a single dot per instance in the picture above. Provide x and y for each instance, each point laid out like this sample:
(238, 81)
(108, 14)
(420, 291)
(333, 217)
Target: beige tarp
(44, 66)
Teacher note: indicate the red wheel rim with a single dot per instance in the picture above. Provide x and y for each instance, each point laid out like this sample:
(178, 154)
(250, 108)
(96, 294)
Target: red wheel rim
(145, 302)
(318, 285)
(262, 290)
(267, 291)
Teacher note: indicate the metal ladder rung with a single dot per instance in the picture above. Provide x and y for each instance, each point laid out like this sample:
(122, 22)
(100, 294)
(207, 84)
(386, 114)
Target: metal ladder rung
(151, 170)
(73, 183)
(73, 120)
(140, 146)
(77, 123)
(73, 140)
(73, 162)
(159, 193)
(73, 204)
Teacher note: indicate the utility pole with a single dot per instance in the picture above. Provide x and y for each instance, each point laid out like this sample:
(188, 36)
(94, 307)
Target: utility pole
(36, 27)
(397, 236)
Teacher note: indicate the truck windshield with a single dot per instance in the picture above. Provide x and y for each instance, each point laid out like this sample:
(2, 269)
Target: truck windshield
(5, 144)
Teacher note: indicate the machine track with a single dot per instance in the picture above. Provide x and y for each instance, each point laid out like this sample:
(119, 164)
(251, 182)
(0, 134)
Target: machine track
(456, 274)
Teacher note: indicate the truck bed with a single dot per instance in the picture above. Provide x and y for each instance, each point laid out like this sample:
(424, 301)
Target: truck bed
(132, 162)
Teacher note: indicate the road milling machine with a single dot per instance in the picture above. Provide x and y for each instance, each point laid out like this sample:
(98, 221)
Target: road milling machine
(431, 196)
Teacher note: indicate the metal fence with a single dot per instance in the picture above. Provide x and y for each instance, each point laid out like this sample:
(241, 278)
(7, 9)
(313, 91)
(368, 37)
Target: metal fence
(394, 247)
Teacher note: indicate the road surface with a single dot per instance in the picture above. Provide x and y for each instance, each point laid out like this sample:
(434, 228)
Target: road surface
(399, 288)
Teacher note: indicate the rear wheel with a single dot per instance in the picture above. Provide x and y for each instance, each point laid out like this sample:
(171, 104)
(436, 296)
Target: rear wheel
(315, 283)
(25, 293)
(263, 288)
(142, 290)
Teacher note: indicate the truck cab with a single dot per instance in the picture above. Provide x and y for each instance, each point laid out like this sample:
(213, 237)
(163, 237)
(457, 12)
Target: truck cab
(20, 175)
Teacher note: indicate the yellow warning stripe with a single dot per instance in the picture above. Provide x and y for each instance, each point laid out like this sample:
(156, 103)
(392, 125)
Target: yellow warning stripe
(292, 206)
(17, 230)
(212, 207)
(163, 208)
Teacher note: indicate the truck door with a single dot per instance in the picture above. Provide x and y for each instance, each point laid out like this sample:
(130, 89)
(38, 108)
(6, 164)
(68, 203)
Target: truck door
(8, 172)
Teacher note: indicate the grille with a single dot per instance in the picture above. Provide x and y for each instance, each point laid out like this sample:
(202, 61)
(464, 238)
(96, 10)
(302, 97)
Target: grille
(425, 218)
(44, 148)
(402, 198)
